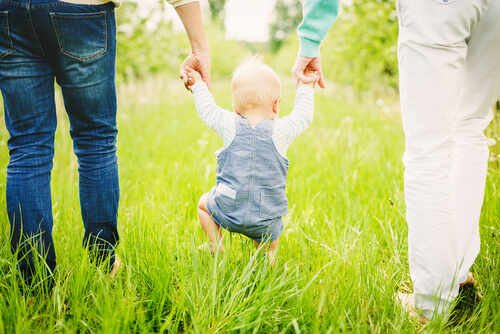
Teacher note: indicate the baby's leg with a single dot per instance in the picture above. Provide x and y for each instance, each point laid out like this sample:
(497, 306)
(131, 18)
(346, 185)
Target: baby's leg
(211, 229)
(271, 252)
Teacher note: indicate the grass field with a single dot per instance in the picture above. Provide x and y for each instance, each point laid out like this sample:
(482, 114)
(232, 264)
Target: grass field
(342, 257)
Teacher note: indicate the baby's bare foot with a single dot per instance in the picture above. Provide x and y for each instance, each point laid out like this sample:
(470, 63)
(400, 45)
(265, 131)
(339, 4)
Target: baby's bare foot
(207, 247)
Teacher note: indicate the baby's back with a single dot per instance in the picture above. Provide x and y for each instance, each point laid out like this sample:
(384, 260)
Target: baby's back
(251, 178)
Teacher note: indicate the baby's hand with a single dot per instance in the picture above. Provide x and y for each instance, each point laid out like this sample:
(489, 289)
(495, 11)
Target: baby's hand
(312, 76)
(193, 76)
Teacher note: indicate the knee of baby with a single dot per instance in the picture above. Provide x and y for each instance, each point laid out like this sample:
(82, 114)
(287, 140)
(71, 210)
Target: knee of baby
(202, 203)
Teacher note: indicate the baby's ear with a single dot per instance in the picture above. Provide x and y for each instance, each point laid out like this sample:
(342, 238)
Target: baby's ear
(276, 105)
(235, 109)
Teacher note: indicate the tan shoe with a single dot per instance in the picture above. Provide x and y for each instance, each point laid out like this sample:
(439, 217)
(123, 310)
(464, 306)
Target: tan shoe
(407, 301)
(116, 267)
(469, 280)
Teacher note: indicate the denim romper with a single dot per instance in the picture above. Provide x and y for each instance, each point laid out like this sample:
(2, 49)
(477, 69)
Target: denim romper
(249, 197)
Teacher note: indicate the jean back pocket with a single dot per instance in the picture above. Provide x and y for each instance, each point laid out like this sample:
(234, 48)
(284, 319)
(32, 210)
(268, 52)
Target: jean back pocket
(273, 203)
(225, 197)
(82, 36)
(6, 47)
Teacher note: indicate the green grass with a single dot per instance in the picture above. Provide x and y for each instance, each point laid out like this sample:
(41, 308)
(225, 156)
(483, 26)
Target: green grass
(342, 257)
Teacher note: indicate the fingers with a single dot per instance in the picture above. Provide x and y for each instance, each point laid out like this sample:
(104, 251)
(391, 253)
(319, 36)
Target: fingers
(187, 86)
(188, 75)
(194, 68)
(183, 74)
(303, 64)
(298, 74)
(186, 72)
(298, 69)
(187, 81)
(321, 81)
(308, 79)
(191, 77)
(315, 65)
(297, 77)
(193, 73)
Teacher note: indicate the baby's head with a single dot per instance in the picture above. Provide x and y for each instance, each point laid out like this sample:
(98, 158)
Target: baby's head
(256, 88)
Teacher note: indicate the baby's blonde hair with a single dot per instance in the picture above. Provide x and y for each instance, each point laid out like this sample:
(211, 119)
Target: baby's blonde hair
(254, 85)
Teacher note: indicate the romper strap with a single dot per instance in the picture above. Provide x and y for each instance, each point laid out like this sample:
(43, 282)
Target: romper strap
(241, 124)
(266, 126)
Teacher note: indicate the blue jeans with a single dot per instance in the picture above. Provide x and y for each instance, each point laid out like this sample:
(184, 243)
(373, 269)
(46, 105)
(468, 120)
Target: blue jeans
(76, 44)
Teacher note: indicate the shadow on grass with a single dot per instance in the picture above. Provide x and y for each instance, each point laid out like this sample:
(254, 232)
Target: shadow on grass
(468, 300)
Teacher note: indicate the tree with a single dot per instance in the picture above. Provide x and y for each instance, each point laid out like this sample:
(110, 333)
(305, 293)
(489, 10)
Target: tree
(216, 8)
(360, 49)
(288, 17)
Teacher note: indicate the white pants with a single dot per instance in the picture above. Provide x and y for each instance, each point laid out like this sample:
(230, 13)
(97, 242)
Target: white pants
(449, 63)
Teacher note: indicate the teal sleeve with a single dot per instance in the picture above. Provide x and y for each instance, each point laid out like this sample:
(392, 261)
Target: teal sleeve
(319, 16)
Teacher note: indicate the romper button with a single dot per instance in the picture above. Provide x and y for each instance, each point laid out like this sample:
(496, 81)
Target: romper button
(445, 0)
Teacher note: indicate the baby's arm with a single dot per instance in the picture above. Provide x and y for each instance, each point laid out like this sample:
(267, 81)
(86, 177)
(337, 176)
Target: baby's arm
(290, 127)
(218, 119)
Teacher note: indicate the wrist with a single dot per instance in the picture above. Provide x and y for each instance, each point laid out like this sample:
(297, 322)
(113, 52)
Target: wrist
(200, 47)
(197, 85)
(303, 86)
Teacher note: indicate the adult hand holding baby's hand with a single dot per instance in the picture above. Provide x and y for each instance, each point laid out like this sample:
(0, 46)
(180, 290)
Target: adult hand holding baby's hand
(302, 66)
(199, 62)
(309, 78)
(193, 76)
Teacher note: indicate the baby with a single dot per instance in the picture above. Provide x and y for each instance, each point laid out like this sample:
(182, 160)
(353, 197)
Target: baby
(249, 197)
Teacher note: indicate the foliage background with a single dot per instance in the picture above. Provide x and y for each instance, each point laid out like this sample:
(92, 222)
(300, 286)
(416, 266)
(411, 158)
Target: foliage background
(359, 51)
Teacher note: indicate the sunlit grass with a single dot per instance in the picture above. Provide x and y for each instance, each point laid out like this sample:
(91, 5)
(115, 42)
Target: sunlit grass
(342, 256)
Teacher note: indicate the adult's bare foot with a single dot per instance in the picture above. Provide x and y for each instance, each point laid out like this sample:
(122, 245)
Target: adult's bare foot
(406, 300)
(116, 266)
(469, 280)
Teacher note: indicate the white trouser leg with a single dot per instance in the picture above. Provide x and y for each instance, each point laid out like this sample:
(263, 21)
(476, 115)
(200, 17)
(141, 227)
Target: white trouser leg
(480, 90)
(433, 56)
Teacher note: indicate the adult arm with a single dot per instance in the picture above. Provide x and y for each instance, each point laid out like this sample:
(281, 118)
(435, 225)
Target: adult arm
(189, 12)
(319, 16)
